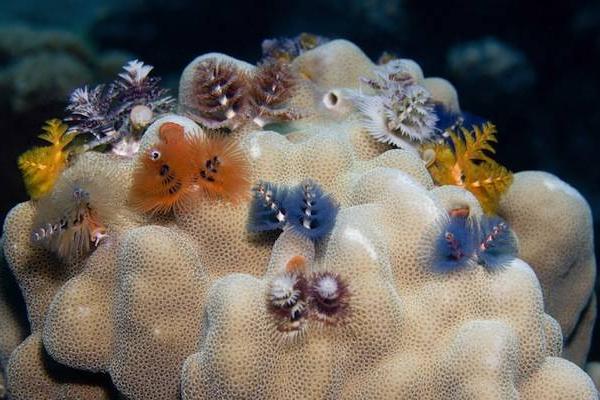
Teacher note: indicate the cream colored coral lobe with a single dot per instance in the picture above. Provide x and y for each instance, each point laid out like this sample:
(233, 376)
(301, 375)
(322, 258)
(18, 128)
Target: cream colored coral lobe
(190, 304)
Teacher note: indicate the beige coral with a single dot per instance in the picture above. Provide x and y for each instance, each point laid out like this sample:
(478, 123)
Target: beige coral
(30, 373)
(562, 254)
(14, 319)
(176, 306)
(593, 368)
(491, 348)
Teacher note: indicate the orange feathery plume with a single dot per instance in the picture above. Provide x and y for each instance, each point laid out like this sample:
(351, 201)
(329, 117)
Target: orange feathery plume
(163, 179)
(296, 264)
(221, 169)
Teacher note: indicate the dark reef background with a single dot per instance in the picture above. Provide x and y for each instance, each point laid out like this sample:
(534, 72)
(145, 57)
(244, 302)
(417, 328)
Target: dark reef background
(532, 68)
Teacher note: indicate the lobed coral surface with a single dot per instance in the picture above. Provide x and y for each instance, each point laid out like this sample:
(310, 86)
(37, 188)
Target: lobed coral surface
(179, 304)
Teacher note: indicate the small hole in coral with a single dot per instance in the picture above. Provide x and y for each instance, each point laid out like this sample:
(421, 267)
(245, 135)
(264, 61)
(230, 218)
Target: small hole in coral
(330, 100)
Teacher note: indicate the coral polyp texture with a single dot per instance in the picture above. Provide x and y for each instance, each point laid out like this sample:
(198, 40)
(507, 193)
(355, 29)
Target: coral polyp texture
(263, 244)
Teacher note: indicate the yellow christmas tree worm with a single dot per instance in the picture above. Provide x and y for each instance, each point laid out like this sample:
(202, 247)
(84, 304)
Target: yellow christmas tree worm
(464, 162)
(41, 166)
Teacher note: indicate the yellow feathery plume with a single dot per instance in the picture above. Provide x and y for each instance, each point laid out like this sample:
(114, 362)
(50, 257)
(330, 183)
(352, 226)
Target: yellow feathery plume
(465, 163)
(488, 181)
(41, 166)
(474, 144)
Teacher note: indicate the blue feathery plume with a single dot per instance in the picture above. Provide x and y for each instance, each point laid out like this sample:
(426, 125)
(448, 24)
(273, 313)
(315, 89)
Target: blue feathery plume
(455, 245)
(497, 243)
(311, 212)
(267, 211)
